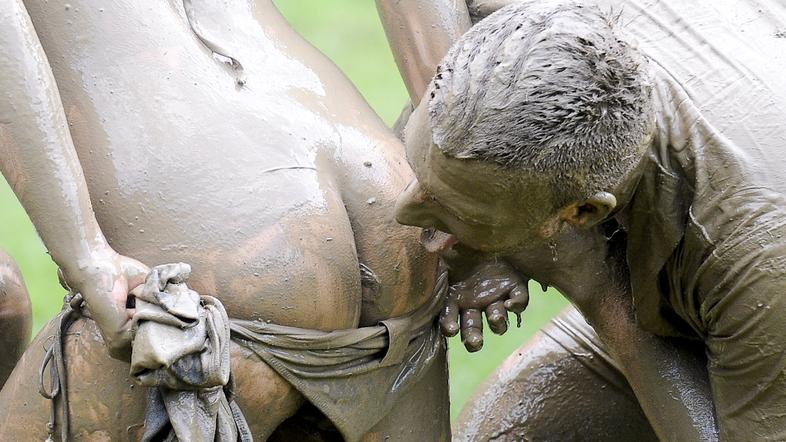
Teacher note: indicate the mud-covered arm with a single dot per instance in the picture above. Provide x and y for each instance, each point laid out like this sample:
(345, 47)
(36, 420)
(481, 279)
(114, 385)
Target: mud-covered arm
(480, 9)
(420, 32)
(669, 377)
(38, 159)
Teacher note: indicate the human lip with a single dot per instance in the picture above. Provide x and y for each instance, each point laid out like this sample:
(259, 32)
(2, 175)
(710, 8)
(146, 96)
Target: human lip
(436, 241)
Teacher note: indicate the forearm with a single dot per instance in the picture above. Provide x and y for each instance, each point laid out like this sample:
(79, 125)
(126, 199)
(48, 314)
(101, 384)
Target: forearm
(38, 159)
(37, 155)
(420, 33)
(480, 9)
(670, 380)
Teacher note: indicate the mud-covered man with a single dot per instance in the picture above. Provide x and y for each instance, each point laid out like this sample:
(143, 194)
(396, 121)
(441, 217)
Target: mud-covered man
(141, 133)
(631, 154)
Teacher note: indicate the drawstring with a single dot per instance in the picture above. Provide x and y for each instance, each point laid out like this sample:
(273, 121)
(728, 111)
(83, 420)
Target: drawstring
(57, 373)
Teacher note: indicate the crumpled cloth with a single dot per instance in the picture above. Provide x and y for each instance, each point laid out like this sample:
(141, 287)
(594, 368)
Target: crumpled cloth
(181, 350)
(353, 376)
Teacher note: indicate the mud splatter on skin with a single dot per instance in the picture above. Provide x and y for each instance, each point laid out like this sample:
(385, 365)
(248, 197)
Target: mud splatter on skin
(15, 316)
(167, 144)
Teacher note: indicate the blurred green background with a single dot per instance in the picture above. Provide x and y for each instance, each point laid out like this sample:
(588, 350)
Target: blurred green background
(350, 33)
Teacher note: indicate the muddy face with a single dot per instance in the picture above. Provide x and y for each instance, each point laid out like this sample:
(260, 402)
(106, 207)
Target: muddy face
(486, 207)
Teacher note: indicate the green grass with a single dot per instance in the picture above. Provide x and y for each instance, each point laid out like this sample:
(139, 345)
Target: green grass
(19, 239)
(349, 32)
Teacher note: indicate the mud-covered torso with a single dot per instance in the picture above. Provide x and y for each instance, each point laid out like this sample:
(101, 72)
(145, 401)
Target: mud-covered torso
(274, 189)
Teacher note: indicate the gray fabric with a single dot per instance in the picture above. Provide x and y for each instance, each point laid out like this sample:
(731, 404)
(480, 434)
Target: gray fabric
(353, 376)
(707, 224)
(719, 162)
(181, 351)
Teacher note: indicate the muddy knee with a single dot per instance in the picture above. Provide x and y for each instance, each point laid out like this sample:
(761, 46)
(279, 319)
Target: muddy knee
(561, 385)
(103, 401)
(15, 315)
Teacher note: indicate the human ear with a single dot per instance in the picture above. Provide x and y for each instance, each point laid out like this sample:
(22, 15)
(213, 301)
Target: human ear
(589, 212)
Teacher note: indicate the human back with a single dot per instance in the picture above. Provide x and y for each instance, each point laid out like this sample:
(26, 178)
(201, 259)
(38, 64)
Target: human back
(728, 57)
(254, 176)
(275, 182)
(722, 142)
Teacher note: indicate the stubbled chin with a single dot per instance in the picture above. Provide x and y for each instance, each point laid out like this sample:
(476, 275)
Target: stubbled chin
(436, 241)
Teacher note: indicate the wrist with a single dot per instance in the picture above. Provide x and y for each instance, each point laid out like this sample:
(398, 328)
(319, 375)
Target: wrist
(96, 261)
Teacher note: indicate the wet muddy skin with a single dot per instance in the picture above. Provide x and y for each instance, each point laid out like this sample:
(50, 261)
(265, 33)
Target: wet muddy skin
(16, 316)
(551, 389)
(232, 145)
(420, 32)
(148, 113)
(703, 254)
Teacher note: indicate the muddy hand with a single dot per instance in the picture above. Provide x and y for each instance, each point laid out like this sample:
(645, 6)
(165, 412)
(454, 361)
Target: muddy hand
(494, 289)
(105, 281)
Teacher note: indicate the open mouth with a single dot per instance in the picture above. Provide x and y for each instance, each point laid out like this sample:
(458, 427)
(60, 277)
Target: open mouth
(436, 241)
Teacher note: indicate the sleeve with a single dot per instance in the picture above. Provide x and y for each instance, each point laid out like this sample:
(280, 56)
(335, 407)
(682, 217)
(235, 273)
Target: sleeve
(745, 319)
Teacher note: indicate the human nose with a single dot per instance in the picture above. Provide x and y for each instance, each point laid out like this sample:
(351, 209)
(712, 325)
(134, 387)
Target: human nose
(412, 207)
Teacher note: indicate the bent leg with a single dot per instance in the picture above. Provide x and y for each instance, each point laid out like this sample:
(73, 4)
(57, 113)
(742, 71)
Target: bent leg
(423, 414)
(106, 404)
(15, 316)
(103, 401)
(561, 385)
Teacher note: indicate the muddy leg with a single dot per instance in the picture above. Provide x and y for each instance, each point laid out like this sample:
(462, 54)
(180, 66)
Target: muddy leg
(423, 414)
(15, 316)
(561, 385)
(266, 398)
(105, 404)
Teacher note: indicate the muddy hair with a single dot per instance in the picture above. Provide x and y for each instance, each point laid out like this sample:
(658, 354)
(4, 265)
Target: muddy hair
(556, 91)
